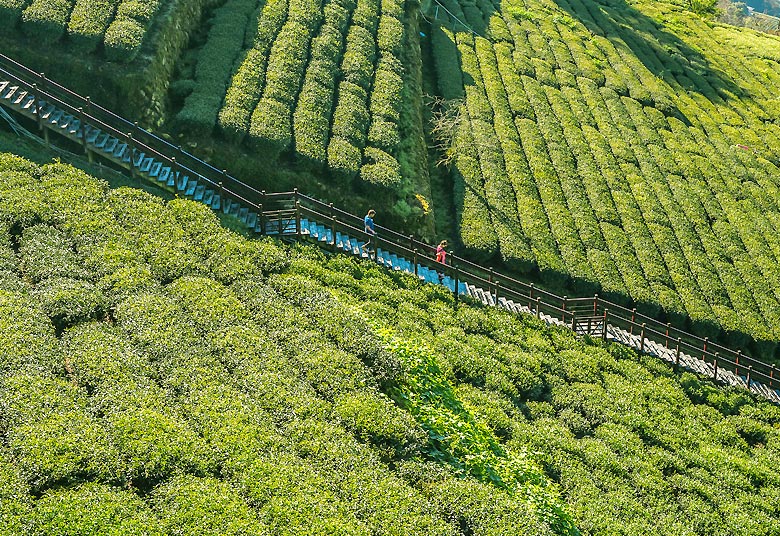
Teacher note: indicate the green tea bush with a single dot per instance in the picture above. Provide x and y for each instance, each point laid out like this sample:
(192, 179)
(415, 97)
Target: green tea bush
(381, 168)
(271, 126)
(192, 505)
(286, 66)
(45, 21)
(351, 116)
(123, 40)
(399, 435)
(67, 301)
(89, 509)
(344, 158)
(28, 341)
(89, 21)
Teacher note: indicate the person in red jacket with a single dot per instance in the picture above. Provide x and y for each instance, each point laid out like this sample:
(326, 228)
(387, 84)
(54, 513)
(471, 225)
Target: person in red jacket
(441, 256)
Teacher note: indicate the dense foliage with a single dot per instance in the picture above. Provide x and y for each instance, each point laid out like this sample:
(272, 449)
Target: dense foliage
(627, 146)
(324, 80)
(161, 375)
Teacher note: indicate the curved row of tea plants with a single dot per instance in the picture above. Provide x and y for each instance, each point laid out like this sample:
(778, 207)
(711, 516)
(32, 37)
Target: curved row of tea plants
(160, 374)
(324, 80)
(628, 147)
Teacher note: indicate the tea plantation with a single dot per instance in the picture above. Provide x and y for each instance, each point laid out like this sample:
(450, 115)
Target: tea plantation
(162, 375)
(631, 146)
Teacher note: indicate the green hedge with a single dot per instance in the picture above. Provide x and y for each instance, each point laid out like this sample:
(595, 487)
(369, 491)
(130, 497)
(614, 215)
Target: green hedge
(88, 22)
(242, 95)
(351, 116)
(215, 62)
(45, 20)
(380, 168)
(91, 507)
(123, 40)
(344, 159)
(271, 127)
(286, 63)
(357, 66)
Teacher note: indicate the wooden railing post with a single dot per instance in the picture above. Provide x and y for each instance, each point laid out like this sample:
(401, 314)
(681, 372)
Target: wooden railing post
(538, 307)
(704, 348)
(414, 262)
(263, 204)
(715, 365)
(222, 188)
(668, 326)
(563, 309)
(677, 355)
(642, 339)
(131, 144)
(772, 372)
(739, 354)
(83, 125)
(495, 296)
(175, 172)
(411, 241)
(261, 218)
(298, 219)
(457, 280)
(604, 325)
(750, 372)
(633, 321)
(333, 220)
(595, 304)
(574, 323)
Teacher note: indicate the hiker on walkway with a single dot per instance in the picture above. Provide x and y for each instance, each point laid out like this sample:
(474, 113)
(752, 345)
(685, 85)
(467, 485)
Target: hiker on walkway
(441, 256)
(368, 227)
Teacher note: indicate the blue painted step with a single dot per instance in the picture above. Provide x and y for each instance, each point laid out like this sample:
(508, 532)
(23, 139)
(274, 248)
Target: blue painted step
(198, 193)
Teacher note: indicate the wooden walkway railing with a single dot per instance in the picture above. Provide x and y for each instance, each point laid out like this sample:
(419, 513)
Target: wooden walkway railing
(282, 213)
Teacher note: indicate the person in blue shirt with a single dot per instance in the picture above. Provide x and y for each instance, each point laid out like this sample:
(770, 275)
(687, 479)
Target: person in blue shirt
(368, 227)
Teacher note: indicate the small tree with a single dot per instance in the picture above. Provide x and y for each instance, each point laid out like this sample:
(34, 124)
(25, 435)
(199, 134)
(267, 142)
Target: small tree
(445, 121)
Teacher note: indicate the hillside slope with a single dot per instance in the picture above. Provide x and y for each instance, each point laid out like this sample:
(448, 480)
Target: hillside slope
(631, 146)
(161, 375)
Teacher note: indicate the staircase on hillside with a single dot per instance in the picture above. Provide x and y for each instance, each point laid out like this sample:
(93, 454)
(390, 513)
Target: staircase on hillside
(282, 215)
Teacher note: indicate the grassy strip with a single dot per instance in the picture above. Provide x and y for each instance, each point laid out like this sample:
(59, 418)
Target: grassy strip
(458, 439)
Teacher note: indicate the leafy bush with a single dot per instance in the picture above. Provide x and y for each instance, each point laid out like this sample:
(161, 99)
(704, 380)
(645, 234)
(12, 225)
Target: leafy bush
(45, 20)
(68, 301)
(191, 505)
(92, 508)
(123, 40)
(88, 22)
(343, 158)
(381, 168)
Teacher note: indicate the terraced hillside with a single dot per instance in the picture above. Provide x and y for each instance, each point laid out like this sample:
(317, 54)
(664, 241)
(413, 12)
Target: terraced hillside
(328, 87)
(627, 145)
(161, 375)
